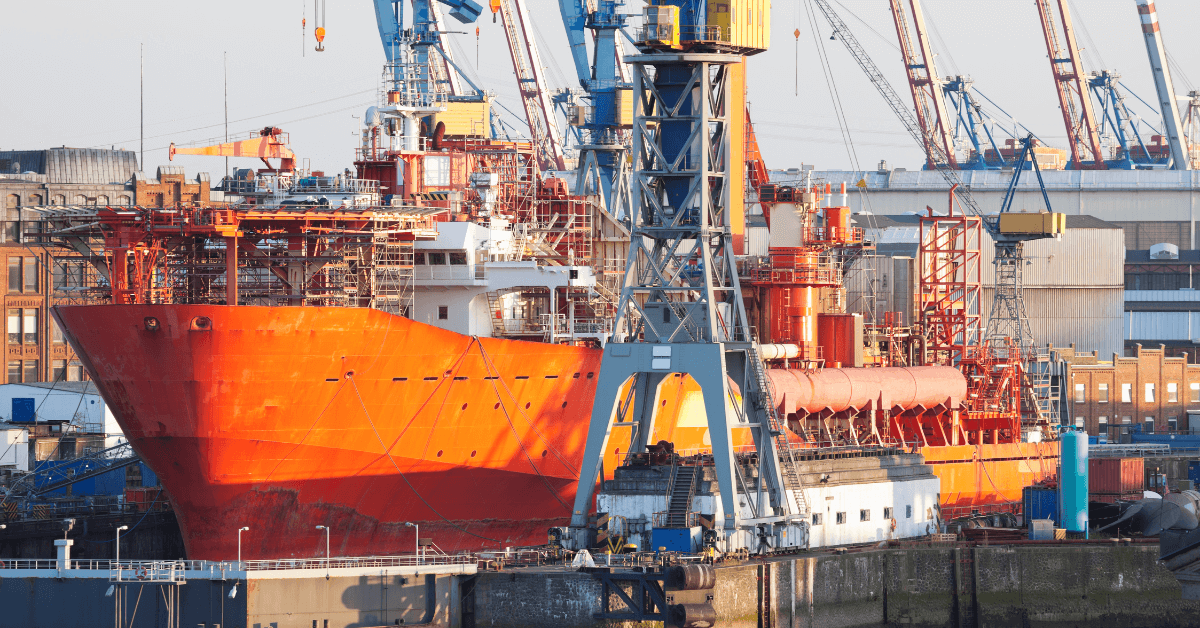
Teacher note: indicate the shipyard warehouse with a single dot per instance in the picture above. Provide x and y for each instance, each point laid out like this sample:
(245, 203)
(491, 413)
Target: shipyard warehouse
(569, 330)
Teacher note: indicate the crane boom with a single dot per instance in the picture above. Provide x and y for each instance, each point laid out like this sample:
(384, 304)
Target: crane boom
(902, 112)
(929, 100)
(531, 83)
(1157, 54)
(1071, 83)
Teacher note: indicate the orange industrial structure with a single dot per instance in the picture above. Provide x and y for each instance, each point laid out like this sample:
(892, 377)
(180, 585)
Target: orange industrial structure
(269, 143)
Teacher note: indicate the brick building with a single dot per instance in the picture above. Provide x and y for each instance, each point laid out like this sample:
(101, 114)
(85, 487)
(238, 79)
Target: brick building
(1150, 388)
(34, 347)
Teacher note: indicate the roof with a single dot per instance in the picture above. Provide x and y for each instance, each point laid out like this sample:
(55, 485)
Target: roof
(880, 221)
(74, 165)
(998, 180)
(77, 387)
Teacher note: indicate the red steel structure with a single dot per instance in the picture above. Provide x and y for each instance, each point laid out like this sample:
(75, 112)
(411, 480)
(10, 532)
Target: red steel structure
(948, 266)
(924, 83)
(1071, 81)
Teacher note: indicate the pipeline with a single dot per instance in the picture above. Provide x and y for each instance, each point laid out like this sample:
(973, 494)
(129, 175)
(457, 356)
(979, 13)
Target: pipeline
(858, 388)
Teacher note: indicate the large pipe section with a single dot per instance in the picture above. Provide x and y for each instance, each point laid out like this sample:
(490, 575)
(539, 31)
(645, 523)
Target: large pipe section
(882, 388)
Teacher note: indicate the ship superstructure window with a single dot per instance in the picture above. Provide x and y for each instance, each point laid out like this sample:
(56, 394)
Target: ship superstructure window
(1126, 393)
(437, 258)
(1195, 388)
(818, 518)
(1149, 393)
(864, 515)
(1172, 392)
(14, 372)
(887, 512)
(437, 170)
(31, 371)
(419, 258)
(443, 312)
(1080, 393)
(841, 518)
(458, 258)
(1103, 396)
(908, 511)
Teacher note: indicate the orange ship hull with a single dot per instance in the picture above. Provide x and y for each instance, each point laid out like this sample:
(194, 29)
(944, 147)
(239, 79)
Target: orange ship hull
(282, 419)
(286, 418)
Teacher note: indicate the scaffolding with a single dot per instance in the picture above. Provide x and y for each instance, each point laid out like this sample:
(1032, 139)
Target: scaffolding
(950, 276)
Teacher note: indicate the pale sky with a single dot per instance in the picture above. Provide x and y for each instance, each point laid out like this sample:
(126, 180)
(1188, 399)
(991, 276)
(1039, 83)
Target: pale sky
(71, 72)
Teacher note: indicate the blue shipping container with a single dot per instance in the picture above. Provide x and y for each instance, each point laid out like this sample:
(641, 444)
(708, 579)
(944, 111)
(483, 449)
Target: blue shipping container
(1040, 503)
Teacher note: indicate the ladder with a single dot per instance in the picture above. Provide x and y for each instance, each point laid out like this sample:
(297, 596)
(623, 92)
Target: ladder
(494, 309)
(783, 449)
(683, 488)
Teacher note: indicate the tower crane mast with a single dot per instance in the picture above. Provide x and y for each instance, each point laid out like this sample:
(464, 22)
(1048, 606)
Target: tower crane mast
(1072, 85)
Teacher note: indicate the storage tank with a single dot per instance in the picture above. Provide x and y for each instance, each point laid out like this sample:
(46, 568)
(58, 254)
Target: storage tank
(1073, 480)
(887, 387)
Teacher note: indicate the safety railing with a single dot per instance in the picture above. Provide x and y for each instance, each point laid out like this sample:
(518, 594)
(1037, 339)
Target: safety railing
(426, 560)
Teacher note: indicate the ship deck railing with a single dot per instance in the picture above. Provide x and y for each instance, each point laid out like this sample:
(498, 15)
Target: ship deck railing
(155, 570)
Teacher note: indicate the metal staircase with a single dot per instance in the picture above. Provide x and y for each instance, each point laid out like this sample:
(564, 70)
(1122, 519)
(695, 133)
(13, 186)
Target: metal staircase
(683, 488)
(494, 309)
(783, 448)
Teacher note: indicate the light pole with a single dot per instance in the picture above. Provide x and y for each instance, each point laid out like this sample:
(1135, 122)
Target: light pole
(417, 542)
(326, 529)
(240, 531)
(118, 541)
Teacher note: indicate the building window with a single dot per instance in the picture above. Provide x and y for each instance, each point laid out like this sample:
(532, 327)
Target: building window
(1102, 429)
(14, 372)
(1195, 388)
(58, 199)
(443, 312)
(1149, 393)
(1126, 420)
(1103, 396)
(1126, 393)
(1079, 421)
(1172, 392)
(818, 518)
(68, 274)
(31, 371)
(14, 274)
(1148, 425)
(908, 511)
(14, 327)
(75, 371)
(1080, 394)
(887, 513)
(31, 274)
(30, 327)
(841, 518)
(12, 218)
(60, 370)
(56, 332)
(437, 170)
(1173, 423)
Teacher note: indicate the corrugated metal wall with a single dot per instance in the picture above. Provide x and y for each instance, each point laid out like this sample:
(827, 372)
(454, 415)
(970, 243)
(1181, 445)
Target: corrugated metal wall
(1083, 257)
(1091, 318)
(1151, 326)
